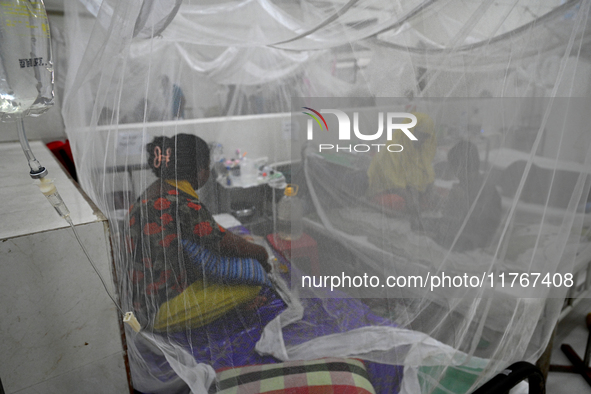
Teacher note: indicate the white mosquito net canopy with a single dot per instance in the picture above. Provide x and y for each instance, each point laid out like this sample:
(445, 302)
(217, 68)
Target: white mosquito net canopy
(446, 247)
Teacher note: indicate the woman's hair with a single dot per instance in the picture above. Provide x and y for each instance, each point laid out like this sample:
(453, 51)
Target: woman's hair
(463, 158)
(180, 156)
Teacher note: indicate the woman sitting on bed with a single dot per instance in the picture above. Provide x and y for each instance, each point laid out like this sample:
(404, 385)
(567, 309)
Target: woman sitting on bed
(403, 180)
(464, 162)
(176, 245)
(216, 322)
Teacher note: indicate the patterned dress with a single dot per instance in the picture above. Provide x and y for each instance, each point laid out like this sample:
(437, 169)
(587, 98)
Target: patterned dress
(159, 269)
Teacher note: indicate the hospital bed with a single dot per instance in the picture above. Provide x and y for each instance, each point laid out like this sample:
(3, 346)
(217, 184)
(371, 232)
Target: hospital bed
(231, 342)
(234, 345)
(380, 236)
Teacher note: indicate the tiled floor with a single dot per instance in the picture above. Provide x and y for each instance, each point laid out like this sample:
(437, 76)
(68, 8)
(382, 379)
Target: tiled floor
(573, 331)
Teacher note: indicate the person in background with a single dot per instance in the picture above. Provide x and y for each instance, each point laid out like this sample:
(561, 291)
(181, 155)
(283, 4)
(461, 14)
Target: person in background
(178, 102)
(482, 223)
(174, 99)
(169, 288)
(403, 180)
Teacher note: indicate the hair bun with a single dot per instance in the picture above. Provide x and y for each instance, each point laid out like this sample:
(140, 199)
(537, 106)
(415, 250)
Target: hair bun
(180, 156)
(160, 154)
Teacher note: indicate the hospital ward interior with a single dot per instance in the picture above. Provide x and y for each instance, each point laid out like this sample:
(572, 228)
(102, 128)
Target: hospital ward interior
(295, 196)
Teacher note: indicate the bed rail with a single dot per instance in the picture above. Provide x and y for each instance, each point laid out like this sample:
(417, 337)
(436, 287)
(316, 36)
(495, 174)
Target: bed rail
(510, 377)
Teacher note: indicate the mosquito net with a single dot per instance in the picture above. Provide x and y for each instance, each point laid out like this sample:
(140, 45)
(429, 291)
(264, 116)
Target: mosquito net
(439, 153)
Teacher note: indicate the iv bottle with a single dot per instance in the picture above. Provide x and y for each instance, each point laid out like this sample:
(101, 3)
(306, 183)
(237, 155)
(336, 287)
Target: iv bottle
(289, 215)
(26, 67)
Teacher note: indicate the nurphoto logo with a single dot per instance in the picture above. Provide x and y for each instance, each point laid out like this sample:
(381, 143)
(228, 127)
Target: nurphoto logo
(392, 123)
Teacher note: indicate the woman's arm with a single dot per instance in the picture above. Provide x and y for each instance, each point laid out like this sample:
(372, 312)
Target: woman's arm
(199, 226)
(235, 246)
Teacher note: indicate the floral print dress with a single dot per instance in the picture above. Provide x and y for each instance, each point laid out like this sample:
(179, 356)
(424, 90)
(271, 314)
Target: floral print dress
(159, 269)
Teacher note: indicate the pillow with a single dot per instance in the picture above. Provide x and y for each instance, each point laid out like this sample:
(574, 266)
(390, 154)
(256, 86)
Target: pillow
(328, 375)
(227, 270)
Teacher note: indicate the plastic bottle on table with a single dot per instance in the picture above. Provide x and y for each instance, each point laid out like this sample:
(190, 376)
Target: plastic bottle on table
(248, 172)
(289, 214)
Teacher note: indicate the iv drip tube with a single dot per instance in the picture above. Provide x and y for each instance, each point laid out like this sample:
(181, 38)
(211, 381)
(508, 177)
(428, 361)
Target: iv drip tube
(28, 40)
(50, 191)
(37, 170)
(69, 220)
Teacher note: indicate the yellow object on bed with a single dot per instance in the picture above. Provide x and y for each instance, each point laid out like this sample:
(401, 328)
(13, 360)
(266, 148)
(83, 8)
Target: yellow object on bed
(199, 305)
(410, 168)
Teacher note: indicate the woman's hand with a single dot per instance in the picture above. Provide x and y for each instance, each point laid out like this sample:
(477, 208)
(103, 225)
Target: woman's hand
(247, 237)
(236, 246)
(263, 257)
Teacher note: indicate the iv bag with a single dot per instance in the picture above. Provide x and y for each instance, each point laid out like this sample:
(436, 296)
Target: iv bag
(26, 67)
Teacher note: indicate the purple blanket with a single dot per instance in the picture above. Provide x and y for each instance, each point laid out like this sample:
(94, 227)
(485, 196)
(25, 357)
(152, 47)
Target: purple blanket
(230, 340)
